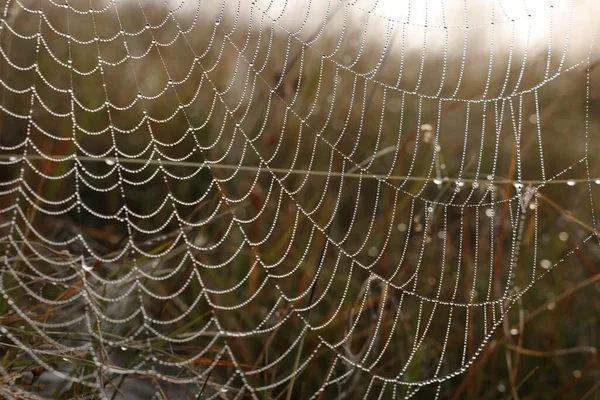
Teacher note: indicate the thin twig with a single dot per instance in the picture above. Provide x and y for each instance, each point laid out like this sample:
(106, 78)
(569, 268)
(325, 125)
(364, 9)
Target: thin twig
(552, 353)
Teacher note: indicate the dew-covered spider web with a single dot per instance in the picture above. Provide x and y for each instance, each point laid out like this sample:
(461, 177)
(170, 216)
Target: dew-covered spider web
(282, 199)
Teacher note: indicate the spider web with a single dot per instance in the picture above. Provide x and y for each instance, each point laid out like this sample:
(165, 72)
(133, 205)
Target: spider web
(221, 198)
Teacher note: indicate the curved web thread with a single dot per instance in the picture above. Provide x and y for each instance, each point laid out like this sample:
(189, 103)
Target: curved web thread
(218, 200)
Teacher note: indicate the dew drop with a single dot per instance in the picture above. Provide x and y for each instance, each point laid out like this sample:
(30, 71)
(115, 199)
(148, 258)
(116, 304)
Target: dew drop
(514, 331)
(110, 161)
(533, 119)
(86, 267)
(546, 264)
(437, 181)
(401, 227)
(564, 236)
(571, 182)
(373, 251)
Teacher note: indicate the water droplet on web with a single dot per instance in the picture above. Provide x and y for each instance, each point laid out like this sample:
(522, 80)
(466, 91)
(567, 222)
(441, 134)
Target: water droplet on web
(546, 264)
(123, 348)
(518, 186)
(373, 251)
(514, 331)
(564, 236)
(86, 267)
(437, 181)
(427, 137)
(571, 182)
(110, 161)
(401, 227)
(597, 181)
(489, 212)
(533, 119)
